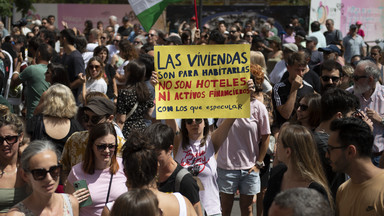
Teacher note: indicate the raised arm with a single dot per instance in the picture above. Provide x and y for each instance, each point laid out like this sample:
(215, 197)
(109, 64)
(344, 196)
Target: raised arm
(178, 136)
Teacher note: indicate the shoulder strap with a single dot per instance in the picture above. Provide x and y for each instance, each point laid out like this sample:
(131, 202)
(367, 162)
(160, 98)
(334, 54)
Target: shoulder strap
(109, 189)
(132, 110)
(67, 203)
(179, 176)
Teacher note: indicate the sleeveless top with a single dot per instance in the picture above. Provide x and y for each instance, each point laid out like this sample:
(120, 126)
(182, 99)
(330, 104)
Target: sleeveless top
(11, 196)
(182, 204)
(67, 207)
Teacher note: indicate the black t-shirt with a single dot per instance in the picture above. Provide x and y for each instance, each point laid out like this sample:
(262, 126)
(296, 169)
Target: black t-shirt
(274, 187)
(281, 93)
(74, 64)
(124, 31)
(188, 186)
(311, 77)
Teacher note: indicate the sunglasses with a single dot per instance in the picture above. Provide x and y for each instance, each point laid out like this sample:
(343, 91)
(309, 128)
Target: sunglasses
(103, 38)
(136, 42)
(116, 41)
(150, 35)
(232, 31)
(190, 121)
(40, 174)
(94, 67)
(102, 147)
(94, 119)
(9, 139)
(356, 78)
(327, 78)
(303, 107)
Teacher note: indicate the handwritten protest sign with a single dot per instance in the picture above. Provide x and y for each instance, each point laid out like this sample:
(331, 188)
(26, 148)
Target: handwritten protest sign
(205, 81)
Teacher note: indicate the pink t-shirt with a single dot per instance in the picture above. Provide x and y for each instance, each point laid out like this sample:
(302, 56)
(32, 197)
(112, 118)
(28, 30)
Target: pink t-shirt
(241, 148)
(98, 184)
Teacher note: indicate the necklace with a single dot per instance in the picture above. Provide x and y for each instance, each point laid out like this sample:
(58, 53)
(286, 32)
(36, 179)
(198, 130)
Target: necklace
(8, 173)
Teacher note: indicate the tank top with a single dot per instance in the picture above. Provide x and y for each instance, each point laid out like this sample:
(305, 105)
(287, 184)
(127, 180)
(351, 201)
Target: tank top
(182, 204)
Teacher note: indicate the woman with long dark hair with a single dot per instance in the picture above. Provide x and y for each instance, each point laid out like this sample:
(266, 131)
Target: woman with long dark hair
(134, 103)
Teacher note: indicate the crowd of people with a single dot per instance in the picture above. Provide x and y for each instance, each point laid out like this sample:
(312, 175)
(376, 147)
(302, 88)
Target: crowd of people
(82, 137)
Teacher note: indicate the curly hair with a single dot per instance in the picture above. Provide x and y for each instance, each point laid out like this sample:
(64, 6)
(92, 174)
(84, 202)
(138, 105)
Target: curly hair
(58, 101)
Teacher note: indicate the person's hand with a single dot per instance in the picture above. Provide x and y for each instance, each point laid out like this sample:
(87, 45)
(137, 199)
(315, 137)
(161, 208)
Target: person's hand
(297, 82)
(154, 81)
(82, 77)
(253, 169)
(65, 24)
(366, 119)
(81, 195)
(251, 86)
(373, 115)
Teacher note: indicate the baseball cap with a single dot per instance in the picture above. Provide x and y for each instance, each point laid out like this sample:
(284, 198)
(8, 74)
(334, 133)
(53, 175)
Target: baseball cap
(330, 48)
(312, 38)
(352, 26)
(125, 19)
(301, 33)
(101, 106)
(291, 46)
(175, 39)
(359, 23)
(274, 39)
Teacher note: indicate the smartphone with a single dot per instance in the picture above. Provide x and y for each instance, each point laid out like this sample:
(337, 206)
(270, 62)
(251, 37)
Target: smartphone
(79, 185)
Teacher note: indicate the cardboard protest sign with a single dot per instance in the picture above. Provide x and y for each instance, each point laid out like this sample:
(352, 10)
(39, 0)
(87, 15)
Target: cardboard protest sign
(202, 81)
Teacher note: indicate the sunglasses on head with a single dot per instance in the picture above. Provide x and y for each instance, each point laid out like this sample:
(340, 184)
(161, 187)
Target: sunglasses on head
(197, 121)
(94, 119)
(327, 78)
(9, 139)
(94, 67)
(303, 107)
(40, 174)
(102, 147)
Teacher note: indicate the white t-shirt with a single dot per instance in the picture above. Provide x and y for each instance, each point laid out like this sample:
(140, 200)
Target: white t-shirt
(96, 85)
(204, 157)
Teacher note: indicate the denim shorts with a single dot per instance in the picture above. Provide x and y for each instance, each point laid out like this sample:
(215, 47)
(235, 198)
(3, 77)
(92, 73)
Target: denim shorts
(231, 180)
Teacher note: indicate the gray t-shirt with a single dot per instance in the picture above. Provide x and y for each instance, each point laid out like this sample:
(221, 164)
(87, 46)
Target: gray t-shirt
(334, 35)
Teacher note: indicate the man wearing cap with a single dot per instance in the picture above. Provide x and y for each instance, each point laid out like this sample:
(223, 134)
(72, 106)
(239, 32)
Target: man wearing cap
(98, 110)
(359, 30)
(126, 28)
(316, 56)
(280, 68)
(287, 93)
(332, 34)
(315, 28)
(300, 39)
(330, 52)
(353, 44)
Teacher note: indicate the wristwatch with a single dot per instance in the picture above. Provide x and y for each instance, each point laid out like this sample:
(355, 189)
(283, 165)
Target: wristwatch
(260, 165)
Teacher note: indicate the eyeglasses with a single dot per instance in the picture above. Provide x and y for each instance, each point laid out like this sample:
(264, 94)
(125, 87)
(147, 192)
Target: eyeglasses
(40, 174)
(331, 148)
(357, 114)
(102, 147)
(303, 107)
(94, 67)
(9, 139)
(327, 78)
(94, 119)
(356, 78)
(190, 121)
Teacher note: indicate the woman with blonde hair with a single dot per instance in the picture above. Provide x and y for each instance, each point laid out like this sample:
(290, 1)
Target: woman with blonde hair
(301, 165)
(257, 58)
(56, 122)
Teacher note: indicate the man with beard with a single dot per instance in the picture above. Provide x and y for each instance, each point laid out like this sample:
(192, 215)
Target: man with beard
(234, 34)
(371, 95)
(331, 72)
